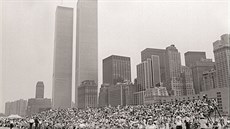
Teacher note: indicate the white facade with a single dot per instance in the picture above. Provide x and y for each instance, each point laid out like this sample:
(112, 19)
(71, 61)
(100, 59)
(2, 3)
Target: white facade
(222, 60)
(173, 70)
(148, 73)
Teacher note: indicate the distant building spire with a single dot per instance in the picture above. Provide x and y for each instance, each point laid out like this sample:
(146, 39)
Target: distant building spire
(39, 90)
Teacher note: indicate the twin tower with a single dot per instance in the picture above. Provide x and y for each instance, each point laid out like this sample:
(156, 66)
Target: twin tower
(86, 64)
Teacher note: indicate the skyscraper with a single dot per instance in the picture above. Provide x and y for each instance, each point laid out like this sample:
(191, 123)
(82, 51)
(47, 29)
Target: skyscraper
(86, 44)
(144, 81)
(116, 69)
(103, 95)
(148, 76)
(87, 94)
(39, 90)
(146, 53)
(187, 81)
(192, 57)
(155, 61)
(209, 80)
(221, 49)
(62, 71)
(148, 73)
(197, 72)
(173, 70)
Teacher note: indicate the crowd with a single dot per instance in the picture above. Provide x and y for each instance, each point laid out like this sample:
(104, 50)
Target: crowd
(177, 115)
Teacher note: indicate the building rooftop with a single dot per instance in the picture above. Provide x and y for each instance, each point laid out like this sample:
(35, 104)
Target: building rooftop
(117, 57)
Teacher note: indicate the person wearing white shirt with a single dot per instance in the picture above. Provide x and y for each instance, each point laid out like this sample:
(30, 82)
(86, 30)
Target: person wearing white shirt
(150, 125)
(178, 122)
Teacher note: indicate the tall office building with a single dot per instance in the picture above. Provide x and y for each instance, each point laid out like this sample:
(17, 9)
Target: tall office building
(148, 73)
(86, 44)
(39, 103)
(173, 70)
(209, 80)
(148, 52)
(116, 69)
(221, 49)
(148, 76)
(39, 90)
(191, 57)
(187, 81)
(62, 71)
(103, 95)
(155, 61)
(144, 78)
(87, 94)
(197, 72)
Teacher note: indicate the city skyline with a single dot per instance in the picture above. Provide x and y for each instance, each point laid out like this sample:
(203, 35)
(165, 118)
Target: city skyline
(113, 43)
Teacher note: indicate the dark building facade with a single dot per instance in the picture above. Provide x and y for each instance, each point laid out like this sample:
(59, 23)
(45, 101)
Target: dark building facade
(16, 107)
(39, 90)
(103, 95)
(37, 105)
(209, 80)
(148, 52)
(87, 94)
(86, 43)
(116, 69)
(62, 70)
(197, 72)
(191, 57)
(187, 81)
(120, 94)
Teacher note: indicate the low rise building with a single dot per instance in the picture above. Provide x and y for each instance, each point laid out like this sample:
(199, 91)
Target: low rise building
(120, 94)
(220, 94)
(16, 107)
(37, 105)
(153, 95)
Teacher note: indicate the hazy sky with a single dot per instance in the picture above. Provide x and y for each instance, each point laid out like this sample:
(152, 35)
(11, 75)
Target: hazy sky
(125, 27)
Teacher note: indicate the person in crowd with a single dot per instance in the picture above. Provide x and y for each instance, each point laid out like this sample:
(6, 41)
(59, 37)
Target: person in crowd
(215, 125)
(178, 122)
(36, 123)
(227, 126)
(11, 124)
(151, 125)
(31, 122)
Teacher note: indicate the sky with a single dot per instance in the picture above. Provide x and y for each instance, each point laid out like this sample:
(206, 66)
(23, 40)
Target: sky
(125, 27)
